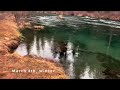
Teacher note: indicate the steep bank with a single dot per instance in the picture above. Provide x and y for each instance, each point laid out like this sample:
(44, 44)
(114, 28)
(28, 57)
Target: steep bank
(9, 36)
(14, 66)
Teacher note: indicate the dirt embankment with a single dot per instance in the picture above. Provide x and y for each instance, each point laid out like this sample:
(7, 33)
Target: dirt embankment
(14, 66)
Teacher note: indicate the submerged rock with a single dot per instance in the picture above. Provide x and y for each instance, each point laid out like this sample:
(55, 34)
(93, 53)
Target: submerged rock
(111, 65)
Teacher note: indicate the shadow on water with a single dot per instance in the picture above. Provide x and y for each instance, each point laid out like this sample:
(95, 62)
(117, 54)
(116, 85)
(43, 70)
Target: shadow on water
(111, 65)
(85, 53)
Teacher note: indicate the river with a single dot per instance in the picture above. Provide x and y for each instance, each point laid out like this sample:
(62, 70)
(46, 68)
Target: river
(87, 48)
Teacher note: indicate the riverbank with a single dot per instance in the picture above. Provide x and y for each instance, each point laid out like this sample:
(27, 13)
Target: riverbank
(12, 65)
(107, 15)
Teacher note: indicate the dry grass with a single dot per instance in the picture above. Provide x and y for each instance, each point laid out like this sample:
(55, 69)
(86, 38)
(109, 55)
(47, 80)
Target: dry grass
(14, 61)
(9, 35)
(9, 38)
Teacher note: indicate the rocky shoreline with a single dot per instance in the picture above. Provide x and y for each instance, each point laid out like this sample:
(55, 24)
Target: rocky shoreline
(108, 15)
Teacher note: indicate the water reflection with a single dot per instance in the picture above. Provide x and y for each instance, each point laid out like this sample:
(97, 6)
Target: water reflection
(22, 49)
(80, 52)
(87, 74)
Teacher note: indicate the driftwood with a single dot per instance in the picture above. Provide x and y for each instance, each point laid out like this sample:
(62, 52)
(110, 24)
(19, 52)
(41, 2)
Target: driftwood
(38, 27)
(27, 24)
